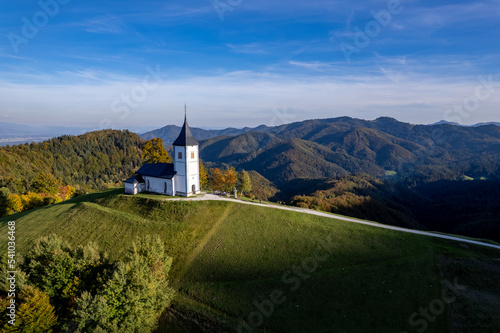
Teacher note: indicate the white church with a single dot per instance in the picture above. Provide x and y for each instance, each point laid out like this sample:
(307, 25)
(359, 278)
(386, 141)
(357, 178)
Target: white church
(180, 178)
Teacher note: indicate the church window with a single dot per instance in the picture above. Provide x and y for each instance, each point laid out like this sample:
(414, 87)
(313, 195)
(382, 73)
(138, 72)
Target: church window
(165, 188)
(148, 184)
(192, 154)
(179, 155)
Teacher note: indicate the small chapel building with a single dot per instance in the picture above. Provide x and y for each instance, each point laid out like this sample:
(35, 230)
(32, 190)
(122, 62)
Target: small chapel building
(181, 178)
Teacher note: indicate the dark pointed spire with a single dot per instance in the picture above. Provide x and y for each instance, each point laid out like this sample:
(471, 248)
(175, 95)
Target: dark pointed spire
(185, 137)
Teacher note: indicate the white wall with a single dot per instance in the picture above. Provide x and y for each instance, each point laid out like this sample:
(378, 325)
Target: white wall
(157, 185)
(130, 188)
(188, 170)
(180, 168)
(193, 170)
(134, 188)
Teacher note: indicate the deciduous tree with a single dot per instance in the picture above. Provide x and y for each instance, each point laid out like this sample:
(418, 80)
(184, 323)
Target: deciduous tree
(34, 312)
(218, 180)
(203, 175)
(245, 184)
(14, 205)
(45, 183)
(154, 152)
(31, 200)
(134, 297)
(231, 178)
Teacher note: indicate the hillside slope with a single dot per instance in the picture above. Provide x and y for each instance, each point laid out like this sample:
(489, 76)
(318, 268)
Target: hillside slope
(238, 265)
(91, 161)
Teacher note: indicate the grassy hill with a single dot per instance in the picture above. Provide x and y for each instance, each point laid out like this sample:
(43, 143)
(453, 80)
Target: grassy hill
(232, 260)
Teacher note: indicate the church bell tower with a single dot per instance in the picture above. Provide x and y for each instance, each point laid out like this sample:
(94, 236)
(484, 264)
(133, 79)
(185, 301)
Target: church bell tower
(186, 162)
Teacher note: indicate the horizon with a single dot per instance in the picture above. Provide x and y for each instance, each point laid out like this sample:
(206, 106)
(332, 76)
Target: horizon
(127, 65)
(55, 131)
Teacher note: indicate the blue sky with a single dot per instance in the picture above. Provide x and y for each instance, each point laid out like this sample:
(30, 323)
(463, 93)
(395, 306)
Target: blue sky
(131, 64)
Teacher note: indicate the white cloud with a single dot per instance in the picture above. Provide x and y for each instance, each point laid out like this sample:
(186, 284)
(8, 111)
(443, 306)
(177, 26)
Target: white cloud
(439, 16)
(252, 48)
(244, 99)
(315, 65)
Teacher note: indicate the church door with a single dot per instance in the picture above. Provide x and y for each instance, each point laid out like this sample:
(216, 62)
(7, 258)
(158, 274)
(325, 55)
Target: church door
(194, 189)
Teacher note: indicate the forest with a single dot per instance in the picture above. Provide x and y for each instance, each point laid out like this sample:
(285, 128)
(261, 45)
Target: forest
(37, 174)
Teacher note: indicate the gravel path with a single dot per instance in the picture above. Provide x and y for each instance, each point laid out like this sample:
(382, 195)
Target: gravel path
(339, 217)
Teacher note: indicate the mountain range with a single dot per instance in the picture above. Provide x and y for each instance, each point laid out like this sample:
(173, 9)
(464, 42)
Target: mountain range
(333, 147)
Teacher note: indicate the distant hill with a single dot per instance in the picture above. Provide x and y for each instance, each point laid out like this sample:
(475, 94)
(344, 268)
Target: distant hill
(237, 265)
(91, 161)
(170, 132)
(12, 134)
(339, 146)
(486, 124)
(444, 122)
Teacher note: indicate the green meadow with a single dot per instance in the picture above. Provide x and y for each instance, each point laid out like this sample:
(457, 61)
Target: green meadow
(238, 267)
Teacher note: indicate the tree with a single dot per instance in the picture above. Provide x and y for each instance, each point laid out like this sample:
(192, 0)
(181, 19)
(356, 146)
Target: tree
(133, 298)
(217, 181)
(51, 267)
(66, 192)
(34, 312)
(14, 204)
(245, 183)
(4, 201)
(31, 200)
(203, 175)
(45, 183)
(154, 152)
(231, 179)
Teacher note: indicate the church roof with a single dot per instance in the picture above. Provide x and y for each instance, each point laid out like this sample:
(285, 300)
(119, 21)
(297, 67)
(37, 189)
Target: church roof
(159, 170)
(185, 137)
(135, 179)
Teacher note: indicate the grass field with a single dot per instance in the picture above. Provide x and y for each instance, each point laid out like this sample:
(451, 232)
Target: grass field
(247, 268)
